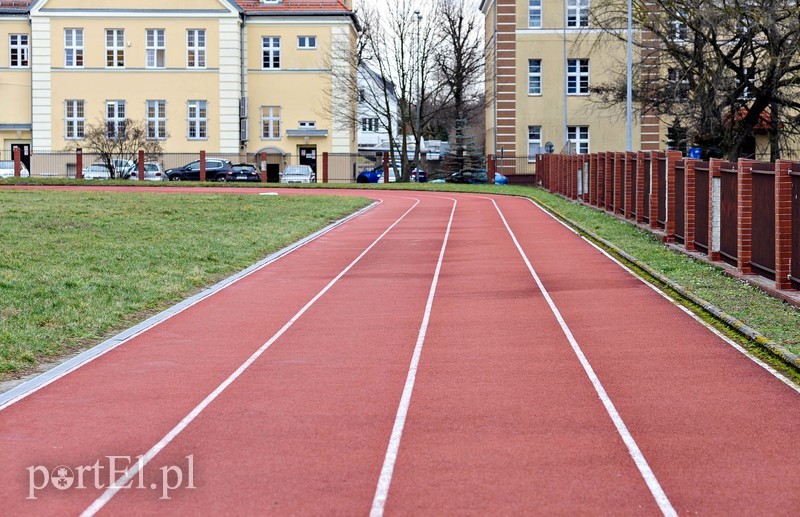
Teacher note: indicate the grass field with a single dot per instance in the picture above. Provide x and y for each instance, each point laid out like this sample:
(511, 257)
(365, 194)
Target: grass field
(77, 266)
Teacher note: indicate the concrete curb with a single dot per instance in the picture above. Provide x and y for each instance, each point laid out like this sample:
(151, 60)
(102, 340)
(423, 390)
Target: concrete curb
(38, 382)
(739, 326)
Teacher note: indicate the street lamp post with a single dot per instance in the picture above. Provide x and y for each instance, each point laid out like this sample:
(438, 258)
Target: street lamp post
(419, 91)
(629, 84)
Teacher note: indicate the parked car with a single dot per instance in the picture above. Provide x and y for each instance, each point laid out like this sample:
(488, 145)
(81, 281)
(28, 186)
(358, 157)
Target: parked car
(152, 172)
(7, 169)
(476, 177)
(243, 172)
(375, 175)
(216, 170)
(298, 174)
(123, 168)
(97, 171)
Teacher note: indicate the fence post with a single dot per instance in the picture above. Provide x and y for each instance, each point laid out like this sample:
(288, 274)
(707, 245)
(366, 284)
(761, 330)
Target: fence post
(78, 163)
(325, 167)
(576, 180)
(627, 173)
(491, 168)
(619, 183)
(386, 168)
(262, 173)
(640, 179)
(783, 225)
(654, 189)
(744, 242)
(690, 204)
(202, 165)
(714, 208)
(17, 163)
(672, 161)
(593, 179)
(140, 165)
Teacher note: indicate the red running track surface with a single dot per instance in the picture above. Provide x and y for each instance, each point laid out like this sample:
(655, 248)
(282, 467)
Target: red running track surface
(502, 416)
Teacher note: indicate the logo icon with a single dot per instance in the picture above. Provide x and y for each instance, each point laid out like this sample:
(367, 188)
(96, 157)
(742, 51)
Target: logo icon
(62, 477)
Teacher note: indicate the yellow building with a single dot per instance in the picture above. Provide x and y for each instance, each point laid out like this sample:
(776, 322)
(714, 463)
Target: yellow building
(542, 58)
(230, 77)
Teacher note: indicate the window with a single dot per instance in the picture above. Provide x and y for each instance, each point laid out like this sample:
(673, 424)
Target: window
(196, 48)
(307, 42)
(115, 48)
(578, 13)
(308, 124)
(271, 52)
(115, 120)
(156, 48)
(579, 137)
(534, 141)
(198, 120)
(361, 95)
(535, 14)
(156, 120)
(19, 50)
(74, 119)
(370, 125)
(678, 31)
(534, 77)
(73, 48)
(271, 122)
(678, 83)
(746, 92)
(577, 76)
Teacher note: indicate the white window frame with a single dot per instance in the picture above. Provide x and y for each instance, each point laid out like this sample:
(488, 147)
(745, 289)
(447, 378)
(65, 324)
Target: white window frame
(270, 52)
(73, 50)
(19, 50)
(678, 31)
(306, 42)
(197, 119)
(115, 48)
(155, 48)
(534, 139)
(156, 119)
(115, 119)
(195, 52)
(370, 125)
(534, 77)
(579, 136)
(578, 73)
(270, 122)
(577, 13)
(535, 14)
(74, 119)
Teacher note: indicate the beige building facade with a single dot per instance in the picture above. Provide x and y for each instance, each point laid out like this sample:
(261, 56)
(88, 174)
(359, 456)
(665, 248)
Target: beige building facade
(246, 76)
(542, 58)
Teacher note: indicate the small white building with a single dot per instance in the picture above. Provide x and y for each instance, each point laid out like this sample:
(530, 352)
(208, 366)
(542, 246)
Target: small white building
(372, 115)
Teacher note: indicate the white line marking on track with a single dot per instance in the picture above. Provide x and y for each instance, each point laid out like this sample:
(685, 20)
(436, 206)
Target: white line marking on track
(622, 429)
(385, 479)
(49, 377)
(123, 480)
(778, 375)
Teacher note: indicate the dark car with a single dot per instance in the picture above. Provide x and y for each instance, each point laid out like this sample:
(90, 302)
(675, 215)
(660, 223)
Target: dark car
(376, 175)
(216, 170)
(476, 177)
(243, 172)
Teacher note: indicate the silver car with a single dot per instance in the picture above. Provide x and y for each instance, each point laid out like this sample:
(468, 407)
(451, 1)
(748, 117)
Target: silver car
(298, 174)
(96, 171)
(152, 172)
(7, 169)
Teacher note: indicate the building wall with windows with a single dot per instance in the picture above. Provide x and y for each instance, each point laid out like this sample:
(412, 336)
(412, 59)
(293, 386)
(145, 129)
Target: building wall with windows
(15, 80)
(542, 58)
(203, 74)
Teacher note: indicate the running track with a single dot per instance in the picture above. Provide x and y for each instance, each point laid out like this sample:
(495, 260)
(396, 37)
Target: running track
(438, 354)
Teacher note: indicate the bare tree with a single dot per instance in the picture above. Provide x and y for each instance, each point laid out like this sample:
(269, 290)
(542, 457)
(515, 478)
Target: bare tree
(120, 142)
(723, 70)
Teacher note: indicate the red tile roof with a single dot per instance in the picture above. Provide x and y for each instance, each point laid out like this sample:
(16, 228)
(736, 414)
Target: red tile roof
(20, 4)
(333, 6)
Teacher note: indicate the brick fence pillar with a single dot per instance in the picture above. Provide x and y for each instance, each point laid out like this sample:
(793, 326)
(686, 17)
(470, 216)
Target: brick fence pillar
(672, 162)
(714, 208)
(619, 183)
(79, 163)
(202, 165)
(325, 167)
(601, 180)
(386, 168)
(628, 172)
(140, 165)
(689, 204)
(491, 168)
(609, 180)
(745, 217)
(783, 225)
(640, 179)
(17, 163)
(654, 156)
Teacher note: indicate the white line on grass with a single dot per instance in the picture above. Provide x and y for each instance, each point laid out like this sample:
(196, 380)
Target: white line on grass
(123, 480)
(385, 480)
(622, 429)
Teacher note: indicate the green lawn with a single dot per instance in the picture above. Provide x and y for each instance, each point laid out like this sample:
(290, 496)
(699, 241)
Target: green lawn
(78, 266)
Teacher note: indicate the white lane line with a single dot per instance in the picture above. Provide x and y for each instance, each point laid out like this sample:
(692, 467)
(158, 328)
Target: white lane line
(385, 479)
(622, 429)
(35, 384)
(775, 373)
(123, 480)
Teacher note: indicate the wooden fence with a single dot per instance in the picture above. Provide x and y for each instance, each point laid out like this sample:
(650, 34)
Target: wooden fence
(745, 213)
